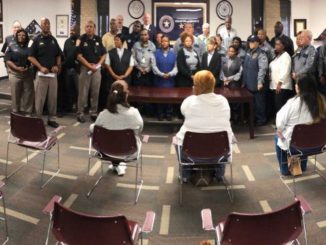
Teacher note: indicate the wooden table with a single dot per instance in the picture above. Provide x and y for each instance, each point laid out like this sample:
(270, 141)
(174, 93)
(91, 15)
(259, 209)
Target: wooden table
(177, 95)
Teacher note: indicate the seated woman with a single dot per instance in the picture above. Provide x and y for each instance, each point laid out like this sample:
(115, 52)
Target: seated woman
(120, 115)
(211, 60)
(308, 106)
(188, 61)
(205, 111)
(165, 69)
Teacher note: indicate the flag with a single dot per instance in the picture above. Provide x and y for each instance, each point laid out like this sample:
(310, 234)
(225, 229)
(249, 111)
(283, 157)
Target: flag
(33, 28)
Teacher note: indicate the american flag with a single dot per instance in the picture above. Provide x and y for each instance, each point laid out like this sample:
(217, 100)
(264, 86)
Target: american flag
(33, 28)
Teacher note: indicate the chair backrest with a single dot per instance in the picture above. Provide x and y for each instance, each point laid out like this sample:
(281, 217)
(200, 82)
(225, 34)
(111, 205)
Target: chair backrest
(274, 228)
(27, 128)
(114, 142)
(309, 135)
(206, 145)
(75, 228)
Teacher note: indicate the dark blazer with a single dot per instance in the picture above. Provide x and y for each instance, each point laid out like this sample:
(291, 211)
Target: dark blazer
(152, 33)
(214, 66)
(183, 78)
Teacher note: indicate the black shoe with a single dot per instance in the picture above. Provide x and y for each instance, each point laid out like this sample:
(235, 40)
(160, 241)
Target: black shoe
(93, 118)
(53, 124)
(169, 118)
(81, 119)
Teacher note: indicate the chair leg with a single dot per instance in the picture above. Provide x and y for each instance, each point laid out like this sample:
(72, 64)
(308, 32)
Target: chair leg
(5, 219)
(48, 231)
(181, 183)
(96, 183)
(26, 155)
(58, 148)
(304, 230)
(43, 184)
(7, 163)
(138, 184)
(6, 170)
(231, 183)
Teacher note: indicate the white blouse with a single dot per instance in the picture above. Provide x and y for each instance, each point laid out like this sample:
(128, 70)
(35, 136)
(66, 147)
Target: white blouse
(291, 114)
(280, 70)
(205, 113)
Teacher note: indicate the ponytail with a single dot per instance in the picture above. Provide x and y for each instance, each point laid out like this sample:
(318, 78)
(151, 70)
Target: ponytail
(117, 96)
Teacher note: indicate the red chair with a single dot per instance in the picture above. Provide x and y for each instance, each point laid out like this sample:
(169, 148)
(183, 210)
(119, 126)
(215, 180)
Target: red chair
(4, 218)
(30, 133)
(280, 227)
(308, 140)
(75, 228)
(118, 146)
(196, 154)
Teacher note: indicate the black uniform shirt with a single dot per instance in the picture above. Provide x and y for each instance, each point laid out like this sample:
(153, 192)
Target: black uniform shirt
(92, 49)
(18, 54)
(45, 49)
(70, 53)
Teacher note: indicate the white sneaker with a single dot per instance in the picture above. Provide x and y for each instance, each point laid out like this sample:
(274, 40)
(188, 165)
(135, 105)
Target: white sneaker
(121, 169)
(111, 167)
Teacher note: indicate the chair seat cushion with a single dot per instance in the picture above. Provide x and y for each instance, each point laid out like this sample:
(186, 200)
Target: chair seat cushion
(45, 145)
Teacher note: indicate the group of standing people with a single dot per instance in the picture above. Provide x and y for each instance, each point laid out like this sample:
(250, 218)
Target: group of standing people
(90, 64)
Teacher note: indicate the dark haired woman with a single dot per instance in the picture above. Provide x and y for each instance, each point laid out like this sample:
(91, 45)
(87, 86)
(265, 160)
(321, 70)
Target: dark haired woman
(308, 106)
(280, 74)
(20, 74)
(237, 42)
(120, 115)
(188, 61)
(165, 69)
(119, 61)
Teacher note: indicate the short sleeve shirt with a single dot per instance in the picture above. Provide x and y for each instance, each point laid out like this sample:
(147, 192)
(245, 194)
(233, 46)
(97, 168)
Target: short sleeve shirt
(45, 49)
(91, 49)
(18, 54)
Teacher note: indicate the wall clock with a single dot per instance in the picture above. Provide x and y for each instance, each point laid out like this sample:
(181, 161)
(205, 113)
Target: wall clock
(136, 9)
(223, 9)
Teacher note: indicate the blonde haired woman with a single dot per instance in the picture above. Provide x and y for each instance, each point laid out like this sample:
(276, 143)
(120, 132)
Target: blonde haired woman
(205, 111)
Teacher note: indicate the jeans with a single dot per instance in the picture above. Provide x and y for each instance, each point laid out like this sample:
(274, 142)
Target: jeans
(283, 162)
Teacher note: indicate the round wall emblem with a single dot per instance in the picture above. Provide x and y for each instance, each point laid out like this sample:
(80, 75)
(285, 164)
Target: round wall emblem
(136, 9)
(223, 9)
(166, 23)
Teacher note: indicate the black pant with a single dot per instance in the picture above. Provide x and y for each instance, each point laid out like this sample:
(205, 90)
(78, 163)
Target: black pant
(281, 98)
(259, 105)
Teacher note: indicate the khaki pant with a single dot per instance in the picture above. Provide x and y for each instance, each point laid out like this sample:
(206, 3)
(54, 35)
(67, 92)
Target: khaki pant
(22, 92)
(88, 84)
(46, 86)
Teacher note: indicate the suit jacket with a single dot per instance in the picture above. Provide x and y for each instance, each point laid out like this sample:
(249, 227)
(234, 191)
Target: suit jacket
(183, 78)
(214, 66)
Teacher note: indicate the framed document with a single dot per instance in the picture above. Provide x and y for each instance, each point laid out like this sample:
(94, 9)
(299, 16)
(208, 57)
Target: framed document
(170, 17)
(299, 25)
(62, 24)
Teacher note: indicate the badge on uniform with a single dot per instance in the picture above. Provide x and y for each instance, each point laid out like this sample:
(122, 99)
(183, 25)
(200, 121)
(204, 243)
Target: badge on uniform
(85, 44)
(97, 43)
(254, 56)
(41, 43)
(143, 60)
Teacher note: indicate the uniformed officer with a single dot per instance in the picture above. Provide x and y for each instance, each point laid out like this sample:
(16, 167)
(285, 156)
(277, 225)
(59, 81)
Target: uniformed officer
(91, 55)
(143, 52)
(46, 57)
(254, 70)
(264, 45)
(70, 67)
(304, 61)
(11, 38)
(197, 45)
(20, 74)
